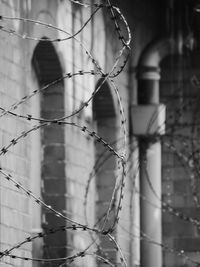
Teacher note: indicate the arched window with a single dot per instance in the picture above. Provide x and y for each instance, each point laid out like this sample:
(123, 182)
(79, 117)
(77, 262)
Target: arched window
(106, 123)
(48, 69)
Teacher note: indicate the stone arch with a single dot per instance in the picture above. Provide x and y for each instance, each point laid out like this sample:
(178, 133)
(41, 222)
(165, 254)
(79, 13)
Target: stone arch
(48, 69)
(105, 117)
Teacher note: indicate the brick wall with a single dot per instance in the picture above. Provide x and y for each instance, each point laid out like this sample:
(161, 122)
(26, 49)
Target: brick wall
(15, 207)
(181, 98)
(54, 162)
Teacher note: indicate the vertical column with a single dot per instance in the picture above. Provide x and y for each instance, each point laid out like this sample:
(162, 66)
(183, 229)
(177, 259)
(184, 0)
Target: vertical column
(150, 175)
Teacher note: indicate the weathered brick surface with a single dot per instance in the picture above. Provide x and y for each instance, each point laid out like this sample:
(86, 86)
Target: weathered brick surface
(177, 171)
(56, 161)
(15, 222)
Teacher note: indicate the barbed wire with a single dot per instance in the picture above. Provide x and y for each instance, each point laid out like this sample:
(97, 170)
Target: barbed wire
(187, 157)
(62, 121)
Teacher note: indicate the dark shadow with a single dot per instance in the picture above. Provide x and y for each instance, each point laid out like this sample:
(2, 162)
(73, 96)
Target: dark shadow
(48, 69)
(106, 126)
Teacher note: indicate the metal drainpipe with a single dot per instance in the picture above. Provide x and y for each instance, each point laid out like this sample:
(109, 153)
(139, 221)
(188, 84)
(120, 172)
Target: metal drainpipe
(150, 176)
(150, 154)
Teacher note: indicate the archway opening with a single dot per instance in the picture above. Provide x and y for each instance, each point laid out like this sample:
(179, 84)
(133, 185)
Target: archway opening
(106, 125)
(53, 179)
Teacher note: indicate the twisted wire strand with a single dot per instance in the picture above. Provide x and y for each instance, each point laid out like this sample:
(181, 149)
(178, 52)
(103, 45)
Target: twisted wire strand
(62, 121)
